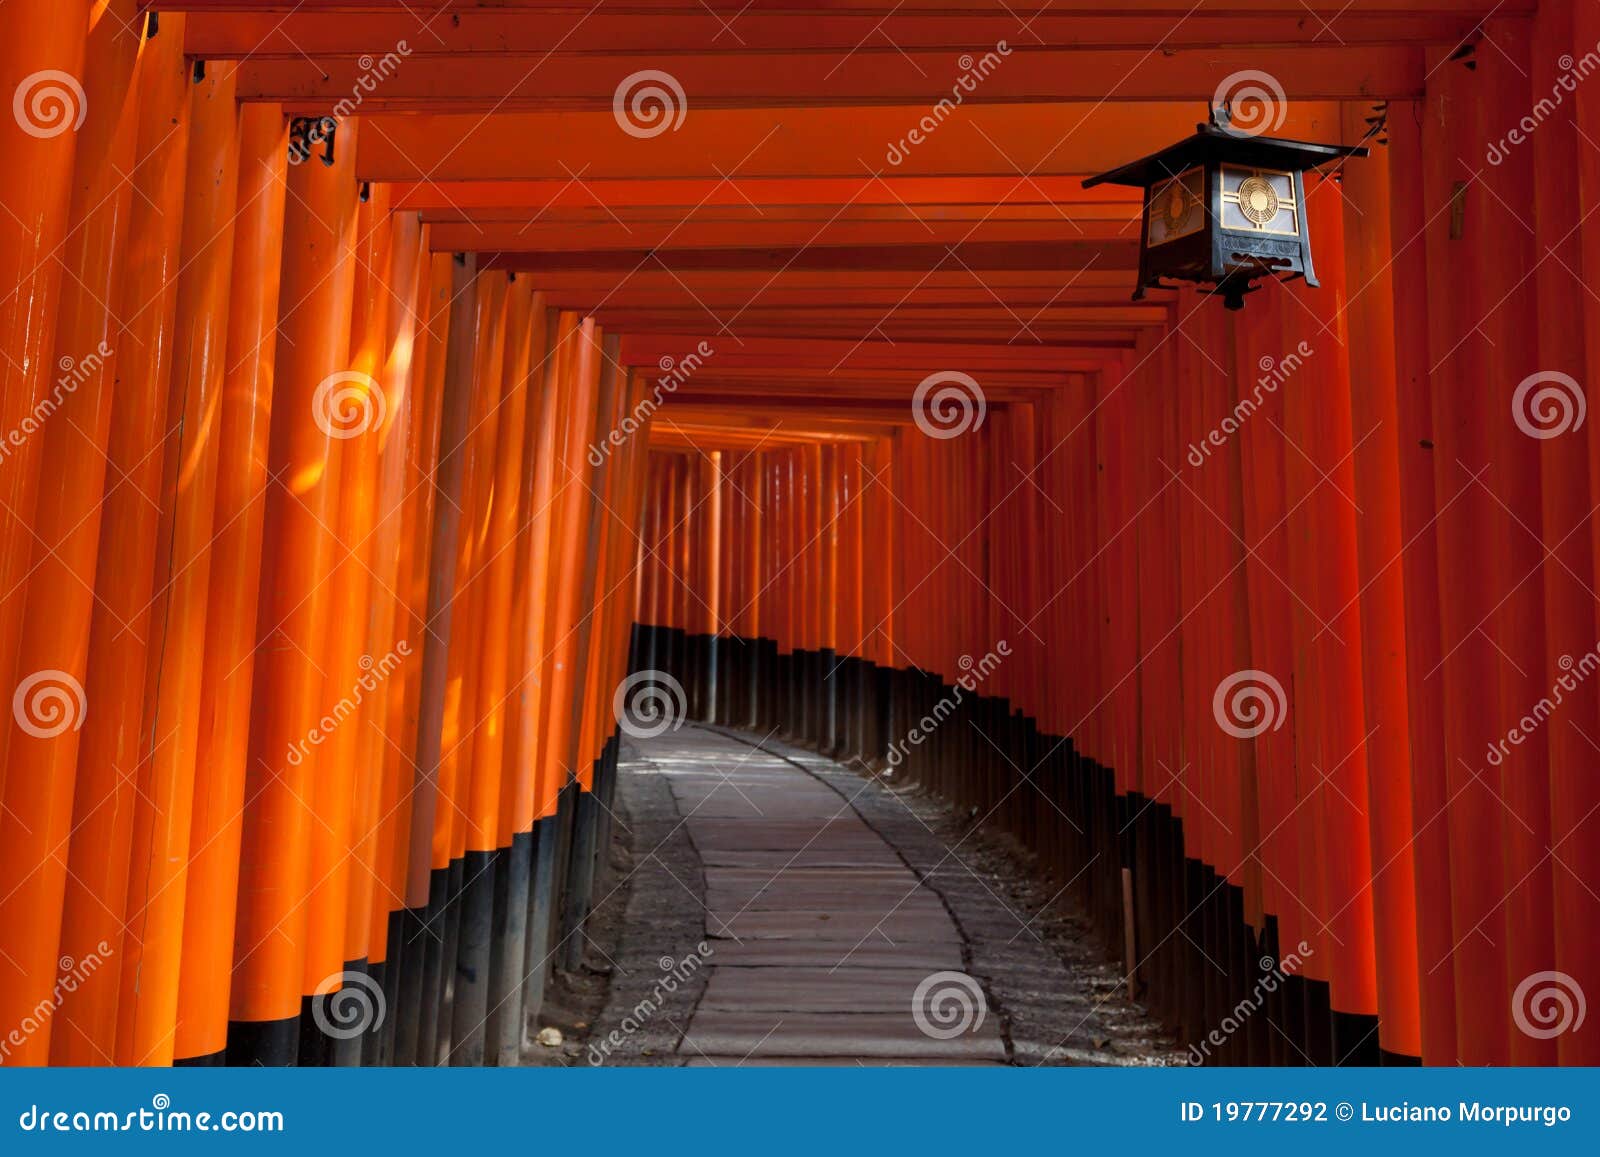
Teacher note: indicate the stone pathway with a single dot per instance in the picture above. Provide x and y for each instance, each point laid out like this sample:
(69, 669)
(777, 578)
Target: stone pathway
(786, 910)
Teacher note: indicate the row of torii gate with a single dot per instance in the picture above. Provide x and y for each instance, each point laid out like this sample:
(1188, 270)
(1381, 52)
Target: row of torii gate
(385, 392)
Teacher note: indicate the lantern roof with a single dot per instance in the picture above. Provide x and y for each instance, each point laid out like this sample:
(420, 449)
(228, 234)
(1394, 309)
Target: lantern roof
(1214, 142)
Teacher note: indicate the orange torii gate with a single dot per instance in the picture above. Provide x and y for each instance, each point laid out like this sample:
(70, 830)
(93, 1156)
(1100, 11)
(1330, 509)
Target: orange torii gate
(376, 437)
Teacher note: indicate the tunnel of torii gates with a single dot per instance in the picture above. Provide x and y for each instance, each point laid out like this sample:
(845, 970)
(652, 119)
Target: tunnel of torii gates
(357, 469)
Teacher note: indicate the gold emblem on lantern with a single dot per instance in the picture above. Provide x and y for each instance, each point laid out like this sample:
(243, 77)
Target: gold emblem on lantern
(1175, 208)
(1259, 200)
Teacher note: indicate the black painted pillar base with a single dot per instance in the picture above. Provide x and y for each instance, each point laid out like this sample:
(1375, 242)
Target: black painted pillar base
(513, 875)
(580, 878)
(269, 1043)
(469, 1004)
(541, 900)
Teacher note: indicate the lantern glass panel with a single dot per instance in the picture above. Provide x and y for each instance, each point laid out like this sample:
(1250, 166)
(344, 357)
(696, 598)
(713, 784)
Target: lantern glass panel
(1259, 201)
(1178, 207)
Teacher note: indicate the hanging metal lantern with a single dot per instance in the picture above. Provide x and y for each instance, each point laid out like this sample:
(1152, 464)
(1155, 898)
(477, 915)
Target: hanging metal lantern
(1223, 209)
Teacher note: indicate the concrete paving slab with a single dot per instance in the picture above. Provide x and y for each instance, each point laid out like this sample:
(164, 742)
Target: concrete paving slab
(801, 878)
(785, 893)
(712, 834)
(925, 956)
(812, 857)
(714, 1032)
(805, 989)
(898, 926)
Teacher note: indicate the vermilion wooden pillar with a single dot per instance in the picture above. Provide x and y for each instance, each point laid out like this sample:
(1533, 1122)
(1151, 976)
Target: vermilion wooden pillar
(498, 480)
(1568, 536)
(150, 962)
(244, 419)
(375, 889)
(291, 622)
(431, 513)
(1420, 569)
(1575, 796)
(1159, 673)
(103, 798)
(1370, 307)
(572, 497)
(43, 35)
(53, 648)
(1511, 351)
(486, 826)
(358, 410)
(546, 415)
(1456, 228)
(412, 623)
(424, 883)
